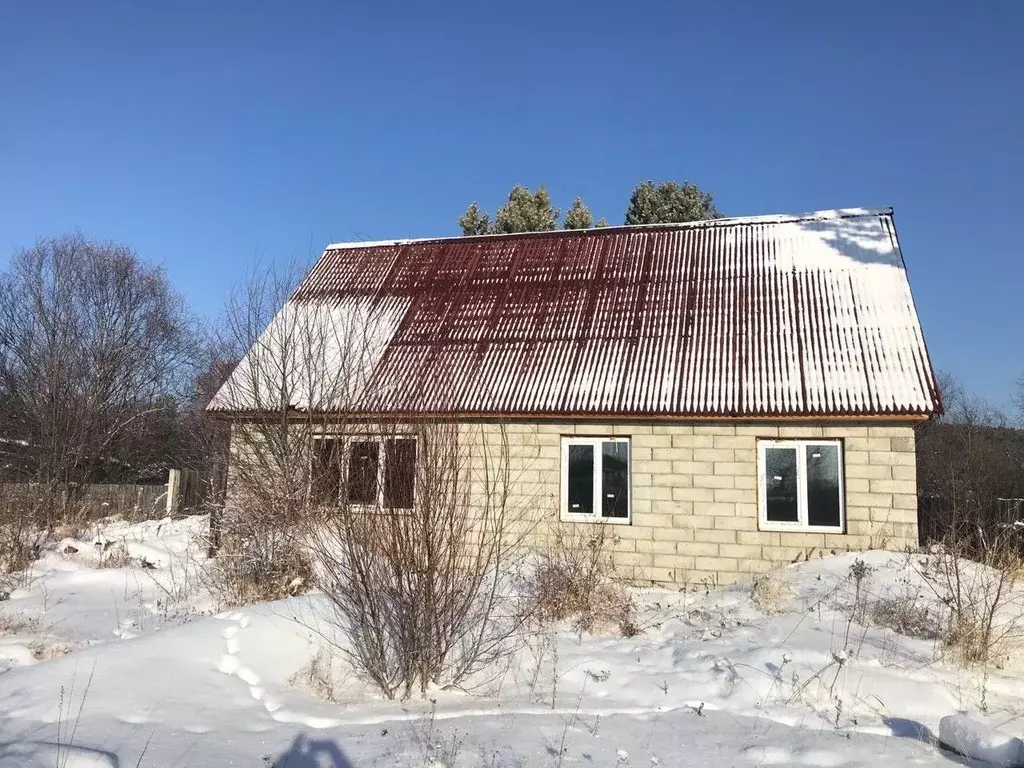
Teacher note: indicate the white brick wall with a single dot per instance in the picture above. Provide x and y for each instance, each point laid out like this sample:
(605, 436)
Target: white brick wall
(695, 507)
(694, 486)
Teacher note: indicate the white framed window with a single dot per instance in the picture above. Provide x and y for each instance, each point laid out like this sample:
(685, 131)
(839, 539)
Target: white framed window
(377, 472)
(800, 485)
(596, 480)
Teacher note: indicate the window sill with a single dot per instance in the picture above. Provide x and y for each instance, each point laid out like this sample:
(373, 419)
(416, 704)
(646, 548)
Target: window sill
(568, 517)
(373, 509)
(796, 528)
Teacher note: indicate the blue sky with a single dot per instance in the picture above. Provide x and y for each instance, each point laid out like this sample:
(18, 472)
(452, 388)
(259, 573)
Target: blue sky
(209, 134)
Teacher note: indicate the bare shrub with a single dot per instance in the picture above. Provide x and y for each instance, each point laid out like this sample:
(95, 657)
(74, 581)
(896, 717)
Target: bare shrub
(317, 676)
(413, 528)
(258, 561)
(115, 556)
(295, 368)
(905, 614)
(575, 578)
(421, 577)
(984, 623)
(770, 591)
(20, 545)
(47, 648)
(18, 624)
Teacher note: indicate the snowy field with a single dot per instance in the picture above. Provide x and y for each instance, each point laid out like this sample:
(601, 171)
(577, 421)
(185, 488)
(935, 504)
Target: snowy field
(135, 666)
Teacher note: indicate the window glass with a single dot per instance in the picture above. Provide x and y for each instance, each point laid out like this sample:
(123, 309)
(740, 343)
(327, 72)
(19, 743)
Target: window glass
(781, 485)
(823, 485)
(327, 477)
(399, 473)
(581, 479)
(364, 459)
(615, 480)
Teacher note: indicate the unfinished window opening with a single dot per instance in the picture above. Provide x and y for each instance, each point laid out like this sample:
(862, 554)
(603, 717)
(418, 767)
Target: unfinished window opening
(363, 468)
(800, 485)
(595, 479)
(377, 472)
(327, 480)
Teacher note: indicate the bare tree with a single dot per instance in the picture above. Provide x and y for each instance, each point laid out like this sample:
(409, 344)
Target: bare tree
(410, 527)
(95, 347)
(300, 373)
(420, 564)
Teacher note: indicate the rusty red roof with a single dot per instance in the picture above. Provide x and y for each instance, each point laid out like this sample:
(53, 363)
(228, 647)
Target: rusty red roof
(756, 317)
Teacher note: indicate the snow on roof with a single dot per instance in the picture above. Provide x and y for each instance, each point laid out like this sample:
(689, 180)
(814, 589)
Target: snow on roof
(762, 316)
(834, 213)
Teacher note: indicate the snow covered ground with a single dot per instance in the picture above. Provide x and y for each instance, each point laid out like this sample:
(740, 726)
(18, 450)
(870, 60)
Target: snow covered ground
(152, 678)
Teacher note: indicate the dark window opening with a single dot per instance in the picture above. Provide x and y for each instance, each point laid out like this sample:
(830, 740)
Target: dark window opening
(781, 485)
(823, 485)
(615, 480)
(364, 460)
(327, 475)
(581, 479)
(399, 473)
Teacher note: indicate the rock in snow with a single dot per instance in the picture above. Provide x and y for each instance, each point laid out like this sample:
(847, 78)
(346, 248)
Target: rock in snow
(974, 739)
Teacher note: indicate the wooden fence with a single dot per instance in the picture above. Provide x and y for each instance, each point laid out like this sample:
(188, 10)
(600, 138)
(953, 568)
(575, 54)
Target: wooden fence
(181, 494)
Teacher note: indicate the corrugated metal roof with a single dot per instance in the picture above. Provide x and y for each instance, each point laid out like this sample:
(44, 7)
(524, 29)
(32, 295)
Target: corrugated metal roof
(767, 316)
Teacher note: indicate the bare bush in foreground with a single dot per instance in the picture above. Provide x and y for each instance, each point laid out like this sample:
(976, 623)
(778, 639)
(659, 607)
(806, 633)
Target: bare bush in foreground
(420, 568)
(770, 591)
(575, 578)
(299, 366)
(905, 614)
(412, 529)
(258, 560)
(977, 575)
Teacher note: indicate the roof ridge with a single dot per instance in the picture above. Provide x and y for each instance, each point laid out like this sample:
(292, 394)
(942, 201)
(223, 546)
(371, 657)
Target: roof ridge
(771, 218)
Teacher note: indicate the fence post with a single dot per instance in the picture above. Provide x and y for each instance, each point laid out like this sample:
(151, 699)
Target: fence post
(173, 491)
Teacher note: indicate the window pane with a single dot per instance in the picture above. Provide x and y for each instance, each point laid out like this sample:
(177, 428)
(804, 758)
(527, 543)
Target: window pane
(780, 484)
(615, 481)
(362, 472)
(399, 473)
(823, 485)
(581, 479)
(327, 472)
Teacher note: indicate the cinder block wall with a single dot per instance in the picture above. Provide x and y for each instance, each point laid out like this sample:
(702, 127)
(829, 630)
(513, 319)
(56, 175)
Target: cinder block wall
(695, 507)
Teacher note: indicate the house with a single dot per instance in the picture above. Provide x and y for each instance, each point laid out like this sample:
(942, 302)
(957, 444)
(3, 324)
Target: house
(730, 394)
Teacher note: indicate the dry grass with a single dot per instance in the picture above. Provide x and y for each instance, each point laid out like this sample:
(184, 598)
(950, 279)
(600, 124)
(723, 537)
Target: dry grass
(575, 579)
(259, 564)
(770, 592)
(115, 556)
(46, 648)
(984, 623)
(20, 545)
(905, 614)
(18, 624)
(40, 640)
(317, 677)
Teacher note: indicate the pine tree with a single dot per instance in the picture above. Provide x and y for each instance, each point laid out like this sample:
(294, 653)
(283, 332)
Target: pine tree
(669, 202)
(578, 216)
(526, 211)
(473, 222)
